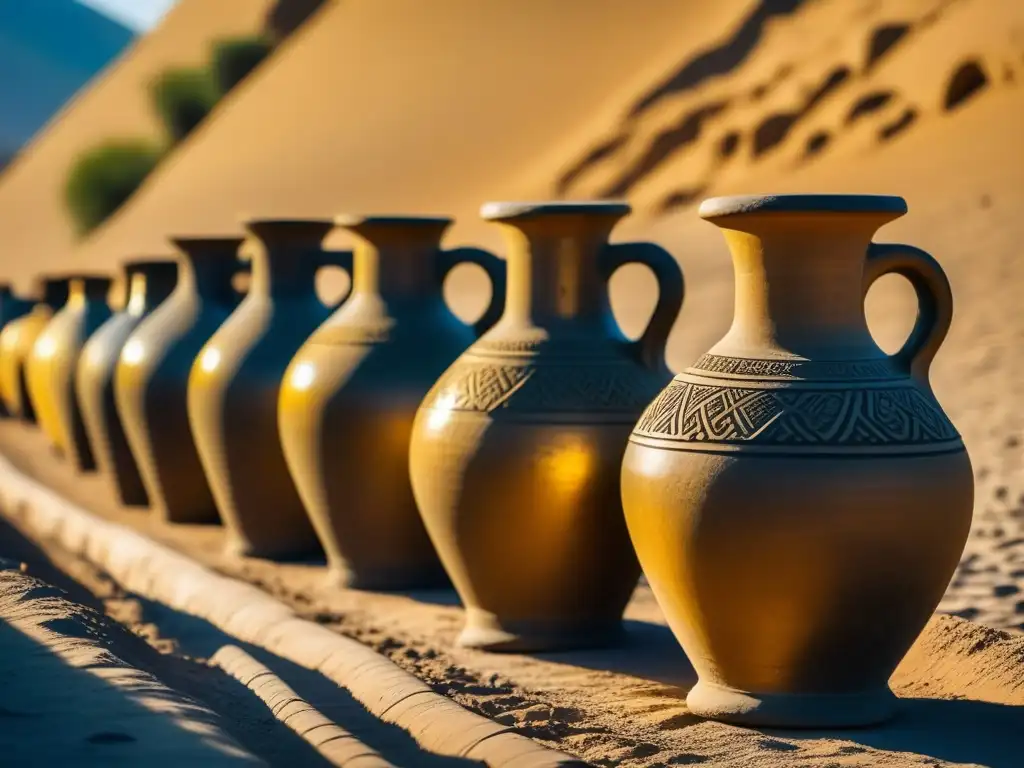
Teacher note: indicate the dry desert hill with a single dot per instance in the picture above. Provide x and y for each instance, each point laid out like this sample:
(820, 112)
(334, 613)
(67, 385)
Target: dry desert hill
(36, 229)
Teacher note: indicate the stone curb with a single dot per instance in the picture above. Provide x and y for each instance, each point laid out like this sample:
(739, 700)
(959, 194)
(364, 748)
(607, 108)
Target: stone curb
(84, 704)
(159, 573)
(338, 746)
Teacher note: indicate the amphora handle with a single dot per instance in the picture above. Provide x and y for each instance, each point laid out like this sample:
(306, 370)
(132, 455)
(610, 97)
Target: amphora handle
(343, 260)
(649, 349)
(489, 263)
(934, 301)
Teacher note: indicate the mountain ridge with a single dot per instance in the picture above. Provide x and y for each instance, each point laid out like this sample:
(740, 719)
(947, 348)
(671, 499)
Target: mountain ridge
(55, 47)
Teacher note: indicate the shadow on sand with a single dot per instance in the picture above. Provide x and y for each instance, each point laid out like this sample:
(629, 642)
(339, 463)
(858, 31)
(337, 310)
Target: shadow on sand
(198, 639)
(955, 730)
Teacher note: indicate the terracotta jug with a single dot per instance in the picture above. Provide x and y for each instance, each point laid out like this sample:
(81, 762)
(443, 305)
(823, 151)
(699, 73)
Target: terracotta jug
(12, 308)
(516, 450)
(235, 383)
(52, 365)
(151, 378)
(350, 395)
(797, 498)
(16, 342)
(147, 284)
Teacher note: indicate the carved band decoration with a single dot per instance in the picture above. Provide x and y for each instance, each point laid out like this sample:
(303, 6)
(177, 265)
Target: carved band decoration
(700, 413)
(795, 369)
(488, 386)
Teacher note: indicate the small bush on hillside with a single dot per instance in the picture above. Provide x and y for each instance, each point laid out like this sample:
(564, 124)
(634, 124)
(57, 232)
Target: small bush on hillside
(183, 98)
(235, 58)
(104, 177)
(288, 15)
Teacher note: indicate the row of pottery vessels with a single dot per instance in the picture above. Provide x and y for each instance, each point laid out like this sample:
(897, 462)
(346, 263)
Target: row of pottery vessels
(797, 498)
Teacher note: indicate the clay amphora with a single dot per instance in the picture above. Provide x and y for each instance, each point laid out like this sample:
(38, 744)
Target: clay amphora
(516, 450)
(235, 383)
(16, 342)
(147, 283)
(797, 498)
(350, 395)
(11, 308)
(54, 360)
(151, 378)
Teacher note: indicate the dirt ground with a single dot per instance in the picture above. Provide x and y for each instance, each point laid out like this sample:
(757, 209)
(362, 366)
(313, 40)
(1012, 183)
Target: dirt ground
(617, 706)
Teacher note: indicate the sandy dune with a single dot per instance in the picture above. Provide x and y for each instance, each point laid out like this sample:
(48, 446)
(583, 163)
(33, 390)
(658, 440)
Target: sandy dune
(37, 232)
(400, 105)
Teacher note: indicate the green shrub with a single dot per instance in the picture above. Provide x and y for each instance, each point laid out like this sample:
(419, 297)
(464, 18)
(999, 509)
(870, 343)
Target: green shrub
(235, 58)
(104, 177)
(183, 97)
(288, 15)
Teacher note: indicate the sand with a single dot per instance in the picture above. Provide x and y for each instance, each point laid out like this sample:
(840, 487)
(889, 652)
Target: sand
(69, 695)
(618, 706)
(37, 232)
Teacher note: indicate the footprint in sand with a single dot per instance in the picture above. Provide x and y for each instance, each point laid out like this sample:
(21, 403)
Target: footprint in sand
(966, 81)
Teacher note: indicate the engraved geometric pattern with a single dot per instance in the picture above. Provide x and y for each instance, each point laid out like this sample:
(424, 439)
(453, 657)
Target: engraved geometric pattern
(690, 412)
(485, 387)
(794, 369)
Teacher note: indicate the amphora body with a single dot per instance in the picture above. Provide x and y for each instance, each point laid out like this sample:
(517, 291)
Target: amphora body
(151, 378)
(797, 498)
(351, 393)
(235, 384)
(54, 360)
(148, 283)
(12, 309)
(515, 451)
(16, 342)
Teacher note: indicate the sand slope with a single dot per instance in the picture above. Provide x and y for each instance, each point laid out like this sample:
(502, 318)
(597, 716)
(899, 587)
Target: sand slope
(35, 229)
(411, 106)
(394, 106)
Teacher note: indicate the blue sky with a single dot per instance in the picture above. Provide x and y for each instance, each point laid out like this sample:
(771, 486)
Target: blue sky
(139, 15)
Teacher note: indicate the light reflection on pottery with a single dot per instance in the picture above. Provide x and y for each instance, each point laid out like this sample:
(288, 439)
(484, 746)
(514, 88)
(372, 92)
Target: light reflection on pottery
(235, 383)
(797, 498)
(516, 450)
(151, 378)
(351, 393)
(53, 362)
(16, 342)
(148, 283)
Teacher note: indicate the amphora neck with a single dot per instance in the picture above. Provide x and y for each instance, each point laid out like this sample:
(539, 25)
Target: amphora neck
(54, 293)
(555, 274)
(799, 270)
(148, 284)
(85, 289)
(287, 256)
(396, 257)
(208, 265)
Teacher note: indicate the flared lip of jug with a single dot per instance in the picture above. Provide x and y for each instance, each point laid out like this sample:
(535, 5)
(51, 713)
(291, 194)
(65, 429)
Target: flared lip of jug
(505, 211)
(890, 206)
(277, 228)
(224, 241)
(351, 220)
(152, 263)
